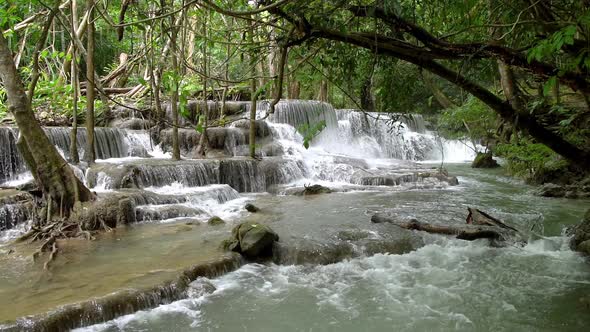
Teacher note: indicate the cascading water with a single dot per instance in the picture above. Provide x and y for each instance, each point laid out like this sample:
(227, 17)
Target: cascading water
(109, 143)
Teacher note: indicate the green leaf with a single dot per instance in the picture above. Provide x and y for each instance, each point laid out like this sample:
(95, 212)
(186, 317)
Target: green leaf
(549, 85)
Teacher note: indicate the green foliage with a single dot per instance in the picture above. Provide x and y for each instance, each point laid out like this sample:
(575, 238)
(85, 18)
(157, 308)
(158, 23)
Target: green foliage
(3, 106)
(473, 120)
(200, 127)
(310, 131)
(525, 158)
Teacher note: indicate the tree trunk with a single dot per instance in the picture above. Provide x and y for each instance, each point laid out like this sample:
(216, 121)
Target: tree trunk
(203, 139)
(254, 96)
(89, 153)
(52, 172)
(323, 94)
(174, 98)
(294, 89)
(75, 79)
(444, 101)
(467, 232)
(367, 102)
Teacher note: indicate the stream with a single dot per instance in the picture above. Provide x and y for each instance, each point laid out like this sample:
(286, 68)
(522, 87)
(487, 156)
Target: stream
(447, 284)
(337, 271)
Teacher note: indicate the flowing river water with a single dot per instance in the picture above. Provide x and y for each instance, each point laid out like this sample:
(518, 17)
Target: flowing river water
(447, 284)
(390, 280)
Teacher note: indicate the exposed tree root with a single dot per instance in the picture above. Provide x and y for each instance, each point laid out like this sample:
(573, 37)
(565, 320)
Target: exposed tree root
(83, 221)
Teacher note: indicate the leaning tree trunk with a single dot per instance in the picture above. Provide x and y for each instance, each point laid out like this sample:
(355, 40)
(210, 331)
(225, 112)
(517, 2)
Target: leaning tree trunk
(52, 172)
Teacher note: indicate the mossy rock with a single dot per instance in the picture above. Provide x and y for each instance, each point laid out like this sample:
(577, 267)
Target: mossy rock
(251, 208)
(251, 239)
(215, 221)
(484, 160)
(581, 240)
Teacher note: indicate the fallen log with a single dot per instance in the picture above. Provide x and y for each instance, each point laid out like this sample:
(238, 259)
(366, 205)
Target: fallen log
(478, 217)
(468, 232)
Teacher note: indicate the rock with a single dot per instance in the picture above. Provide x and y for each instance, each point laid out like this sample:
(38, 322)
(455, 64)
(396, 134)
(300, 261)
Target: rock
(126, 213)
(200, 287)
(253, 240)
(584, 247)
(315, 189)
(441, 175)
(251, 208)
(484, 160)
(581, 239)
(29, 186)
(262, 128)
(215, 220)
(551, 190)
(131, 123)
(353, 235)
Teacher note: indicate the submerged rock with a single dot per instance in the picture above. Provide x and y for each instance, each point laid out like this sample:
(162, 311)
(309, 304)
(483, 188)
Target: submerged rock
(567, 191)
(253, 240)
(215, 220)
(200, 287)
(315, 189)
(484, 160)
(581, 238)
(251, 208)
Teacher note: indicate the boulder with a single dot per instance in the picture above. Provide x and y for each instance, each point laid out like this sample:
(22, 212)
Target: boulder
(253, 240)
(251, 208)
(581, 239)
(200, 287)
(215, 220)
(484, 160)
(551, 190)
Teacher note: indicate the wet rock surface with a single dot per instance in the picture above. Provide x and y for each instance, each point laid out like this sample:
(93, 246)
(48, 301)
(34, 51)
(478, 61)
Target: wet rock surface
(311, 190)
(567, 191)
(251, 208)
(484, 160)
(252, 240)
(581, 235)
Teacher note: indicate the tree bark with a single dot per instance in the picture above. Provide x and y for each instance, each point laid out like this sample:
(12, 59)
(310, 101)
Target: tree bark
(203, 139)
(53, 174)
(89, 153)
(174, 97)
(462, 232)
(444, 101)
(323, 94)
(75, 79)
(254, 96)
(294, 89)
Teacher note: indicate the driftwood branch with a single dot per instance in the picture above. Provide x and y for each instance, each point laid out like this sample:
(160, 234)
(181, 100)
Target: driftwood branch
(463, 232)
(479, 225)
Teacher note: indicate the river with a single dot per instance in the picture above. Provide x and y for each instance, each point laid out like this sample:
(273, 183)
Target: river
(447, 284)
(339, 271)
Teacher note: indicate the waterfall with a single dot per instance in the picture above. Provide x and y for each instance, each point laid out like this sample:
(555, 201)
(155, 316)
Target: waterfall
(11, 161)
(109, 143)
(193, 174)
(299, 112)
(13, 214)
